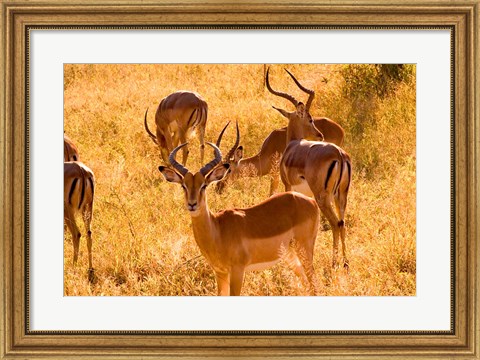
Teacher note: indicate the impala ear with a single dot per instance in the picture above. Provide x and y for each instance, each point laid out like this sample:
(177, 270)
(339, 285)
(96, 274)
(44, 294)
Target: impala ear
(283, 112)
(170, 175)
(217, 173)
(301, 109)
(238, 154)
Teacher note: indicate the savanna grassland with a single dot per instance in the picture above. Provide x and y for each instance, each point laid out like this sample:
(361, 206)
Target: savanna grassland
(143, 242)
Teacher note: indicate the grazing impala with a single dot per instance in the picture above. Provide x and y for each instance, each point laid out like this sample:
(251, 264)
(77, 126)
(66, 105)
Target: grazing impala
(70, 151)
(238, 240)
(272, 149)
(315, 168)
(79, 183)
(178, 115)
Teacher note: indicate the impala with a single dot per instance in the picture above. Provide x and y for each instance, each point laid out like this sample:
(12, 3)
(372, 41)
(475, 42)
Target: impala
(178, 116)
(70, 151)
(79, 184)
(239, 240)
(315, 168)
(266, 161)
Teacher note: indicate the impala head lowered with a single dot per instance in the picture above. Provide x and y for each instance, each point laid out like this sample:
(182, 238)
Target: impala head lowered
(300, 119)
(178, 116)
(194, 185)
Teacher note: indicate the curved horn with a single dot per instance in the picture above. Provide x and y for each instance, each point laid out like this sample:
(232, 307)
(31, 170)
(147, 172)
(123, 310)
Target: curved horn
(234, 147)
(311, 93)
(218, 158)
(278, 93)
(219, 140)
(154, 138)
(179, 167)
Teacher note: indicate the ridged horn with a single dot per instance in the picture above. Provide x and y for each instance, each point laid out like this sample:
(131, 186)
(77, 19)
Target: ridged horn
(234, 147)
(152, 136)
(177, 166)
(218, 158)
(311, 93)
(278, 93)
(219, 140)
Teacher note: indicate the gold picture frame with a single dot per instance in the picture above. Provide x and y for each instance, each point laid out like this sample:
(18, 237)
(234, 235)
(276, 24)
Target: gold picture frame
(18, 341)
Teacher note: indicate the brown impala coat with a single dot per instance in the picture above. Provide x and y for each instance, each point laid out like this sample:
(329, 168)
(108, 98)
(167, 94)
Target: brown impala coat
(238, 240)
(79, 184)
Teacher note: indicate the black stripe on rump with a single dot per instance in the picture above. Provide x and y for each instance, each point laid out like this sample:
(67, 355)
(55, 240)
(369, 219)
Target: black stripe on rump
(329, 172)
(92, 185)
(337, 184)
(205, 114)
(72, 189)
(349, 175)
(82, 194)
(194, 124)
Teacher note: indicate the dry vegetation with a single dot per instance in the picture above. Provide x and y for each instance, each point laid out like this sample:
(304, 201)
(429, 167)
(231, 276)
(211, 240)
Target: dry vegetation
(143, 241)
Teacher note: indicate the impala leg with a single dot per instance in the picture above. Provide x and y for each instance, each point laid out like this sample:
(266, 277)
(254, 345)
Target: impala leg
(293, 262)
(325, 204)
(304, 271)
(336, 236)
(87, 219)
(223, 284)
(181, 138)
(342, 204)
(72, 226)
(304, 251)
(344, 247)
(164, 143)
(163, 148)
(236, 280)
(310, 272)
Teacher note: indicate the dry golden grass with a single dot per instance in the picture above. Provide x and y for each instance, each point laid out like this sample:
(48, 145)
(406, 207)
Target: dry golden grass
(143, 243)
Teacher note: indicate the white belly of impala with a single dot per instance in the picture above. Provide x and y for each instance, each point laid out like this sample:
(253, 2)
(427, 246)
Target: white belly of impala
(261, 266)
(278, 246)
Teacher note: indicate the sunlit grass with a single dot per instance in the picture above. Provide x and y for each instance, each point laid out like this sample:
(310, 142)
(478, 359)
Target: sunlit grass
(143, 243)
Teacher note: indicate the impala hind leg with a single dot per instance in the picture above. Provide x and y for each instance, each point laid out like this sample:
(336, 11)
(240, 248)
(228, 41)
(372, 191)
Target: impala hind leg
(325, 204)
(344, 248)
(341, 203)
(72, 226)
(162, 144)
(87, 219)
(182, 139)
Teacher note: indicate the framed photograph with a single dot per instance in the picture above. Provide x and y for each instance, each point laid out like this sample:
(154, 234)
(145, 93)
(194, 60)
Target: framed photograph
(183, 123)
